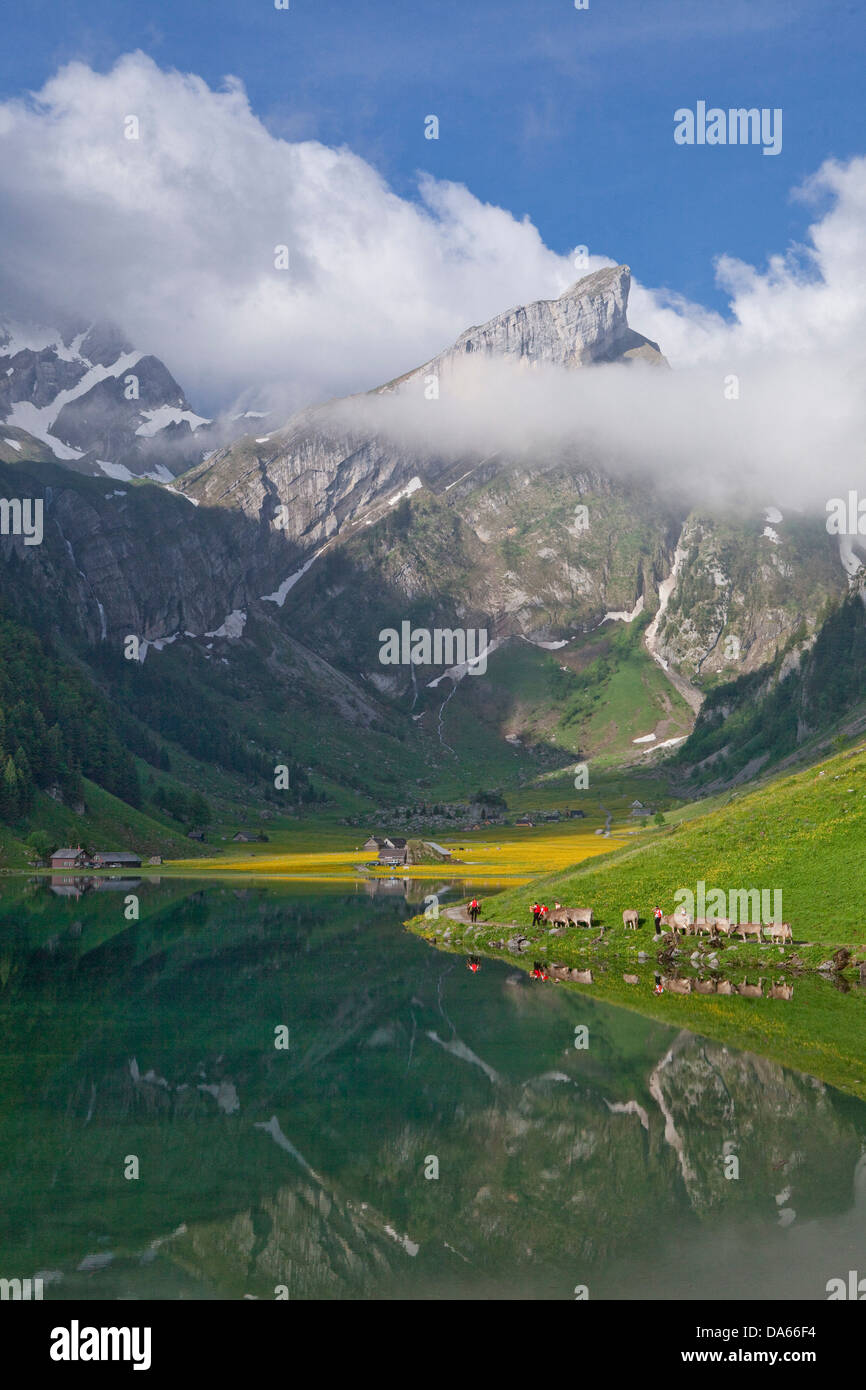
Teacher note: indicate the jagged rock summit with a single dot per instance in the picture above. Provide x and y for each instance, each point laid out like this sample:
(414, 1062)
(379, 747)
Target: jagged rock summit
(324, 473)
(587, 323)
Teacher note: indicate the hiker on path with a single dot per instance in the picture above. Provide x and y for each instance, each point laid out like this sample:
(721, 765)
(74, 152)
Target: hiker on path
(657, 918)
(474, 909)
(536, 913)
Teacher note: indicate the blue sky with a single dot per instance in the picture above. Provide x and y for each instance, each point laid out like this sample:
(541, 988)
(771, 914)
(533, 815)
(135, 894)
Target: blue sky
(562, 115)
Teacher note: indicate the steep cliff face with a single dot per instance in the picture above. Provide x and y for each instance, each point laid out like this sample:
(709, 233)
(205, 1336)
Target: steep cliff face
(808, 695)
(116, 560)
(744, 587)
(505, 550)
(588, 323)
(322, 476)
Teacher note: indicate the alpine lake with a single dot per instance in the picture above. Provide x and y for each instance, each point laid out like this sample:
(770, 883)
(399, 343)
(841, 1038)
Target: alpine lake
(275, 1090)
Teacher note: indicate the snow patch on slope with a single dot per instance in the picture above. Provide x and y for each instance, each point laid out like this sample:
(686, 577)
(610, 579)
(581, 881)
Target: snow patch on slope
(164, 415)
(624, 617)
(280, 595)
(232, 626)
(37, 420)
(412, 486)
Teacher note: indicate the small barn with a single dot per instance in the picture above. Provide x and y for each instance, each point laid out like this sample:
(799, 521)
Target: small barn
(116, 859)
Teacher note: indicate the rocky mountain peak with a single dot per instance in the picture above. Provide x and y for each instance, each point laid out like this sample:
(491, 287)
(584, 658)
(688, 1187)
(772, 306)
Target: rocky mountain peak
(83, 395)
(587, 323)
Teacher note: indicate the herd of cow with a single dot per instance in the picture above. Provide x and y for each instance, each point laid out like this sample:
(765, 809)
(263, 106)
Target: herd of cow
(679, 922)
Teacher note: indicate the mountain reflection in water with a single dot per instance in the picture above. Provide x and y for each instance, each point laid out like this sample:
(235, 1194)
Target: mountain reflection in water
(427, 1132)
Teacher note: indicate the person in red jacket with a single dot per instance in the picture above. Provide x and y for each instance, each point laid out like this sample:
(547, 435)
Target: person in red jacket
(536, 912)
(474, 909)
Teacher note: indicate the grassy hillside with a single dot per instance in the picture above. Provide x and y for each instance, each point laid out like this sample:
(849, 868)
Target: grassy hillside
(591, 698)
(107, 823)
(802, 834)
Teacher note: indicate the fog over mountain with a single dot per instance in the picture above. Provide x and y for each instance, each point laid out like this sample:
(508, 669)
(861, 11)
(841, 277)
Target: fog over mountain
(792, 437)
(172, 235)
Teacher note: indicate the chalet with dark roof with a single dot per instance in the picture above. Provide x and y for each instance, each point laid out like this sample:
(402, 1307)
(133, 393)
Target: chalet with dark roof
(69, 859)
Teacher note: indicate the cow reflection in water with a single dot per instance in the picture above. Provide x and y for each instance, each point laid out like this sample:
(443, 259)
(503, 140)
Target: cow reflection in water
(571, 973)
(702, 985)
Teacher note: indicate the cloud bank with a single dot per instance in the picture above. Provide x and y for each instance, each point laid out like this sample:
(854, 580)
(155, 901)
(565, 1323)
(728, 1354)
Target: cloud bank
(174, 235)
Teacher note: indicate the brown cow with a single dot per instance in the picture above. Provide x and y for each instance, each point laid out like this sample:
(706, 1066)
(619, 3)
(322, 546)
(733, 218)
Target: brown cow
(676, 921)
(579, 916)
(779, 931)
(630, 918)
(745, 929)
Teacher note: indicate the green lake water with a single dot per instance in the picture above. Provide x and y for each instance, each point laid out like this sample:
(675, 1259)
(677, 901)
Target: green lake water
(304, 1169)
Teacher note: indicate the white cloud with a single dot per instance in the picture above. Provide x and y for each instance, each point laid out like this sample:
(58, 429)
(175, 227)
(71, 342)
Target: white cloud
(172, 236)
(768, 407)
